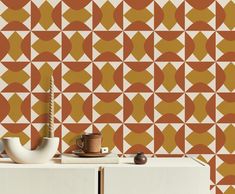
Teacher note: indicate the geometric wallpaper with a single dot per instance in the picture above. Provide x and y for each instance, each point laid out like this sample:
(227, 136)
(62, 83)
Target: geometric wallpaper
(156, 76)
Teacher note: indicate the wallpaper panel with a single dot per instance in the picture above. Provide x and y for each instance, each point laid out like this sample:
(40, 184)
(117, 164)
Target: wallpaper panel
(152, 76)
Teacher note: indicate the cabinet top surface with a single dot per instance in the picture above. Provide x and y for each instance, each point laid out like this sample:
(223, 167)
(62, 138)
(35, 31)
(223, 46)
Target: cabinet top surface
(124, 162)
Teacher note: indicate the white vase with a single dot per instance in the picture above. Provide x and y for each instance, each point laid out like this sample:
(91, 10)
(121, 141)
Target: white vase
(42, 154)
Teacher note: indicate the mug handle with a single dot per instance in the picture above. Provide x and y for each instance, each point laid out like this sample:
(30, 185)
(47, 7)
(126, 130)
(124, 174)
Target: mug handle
(80, 142)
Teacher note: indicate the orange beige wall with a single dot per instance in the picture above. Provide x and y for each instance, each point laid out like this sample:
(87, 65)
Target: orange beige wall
(152, 76)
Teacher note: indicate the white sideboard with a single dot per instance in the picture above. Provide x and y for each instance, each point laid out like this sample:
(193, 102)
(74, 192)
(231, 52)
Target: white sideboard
(158, 176)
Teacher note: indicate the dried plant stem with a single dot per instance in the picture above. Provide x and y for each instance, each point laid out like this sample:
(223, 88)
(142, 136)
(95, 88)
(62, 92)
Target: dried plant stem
(51, 108)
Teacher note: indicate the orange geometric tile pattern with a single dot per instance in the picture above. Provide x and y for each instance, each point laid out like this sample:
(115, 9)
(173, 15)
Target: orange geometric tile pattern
(169, 46)
(76, 16)
(153, 75)
(200, 16)
(15, 16)
(169, 15)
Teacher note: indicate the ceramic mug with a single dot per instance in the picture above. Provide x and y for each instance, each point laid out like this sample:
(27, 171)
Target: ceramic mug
(90, 142)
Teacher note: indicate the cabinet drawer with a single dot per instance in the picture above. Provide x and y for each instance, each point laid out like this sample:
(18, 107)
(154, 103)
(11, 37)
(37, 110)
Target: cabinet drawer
(156, 180)
(49, 181)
